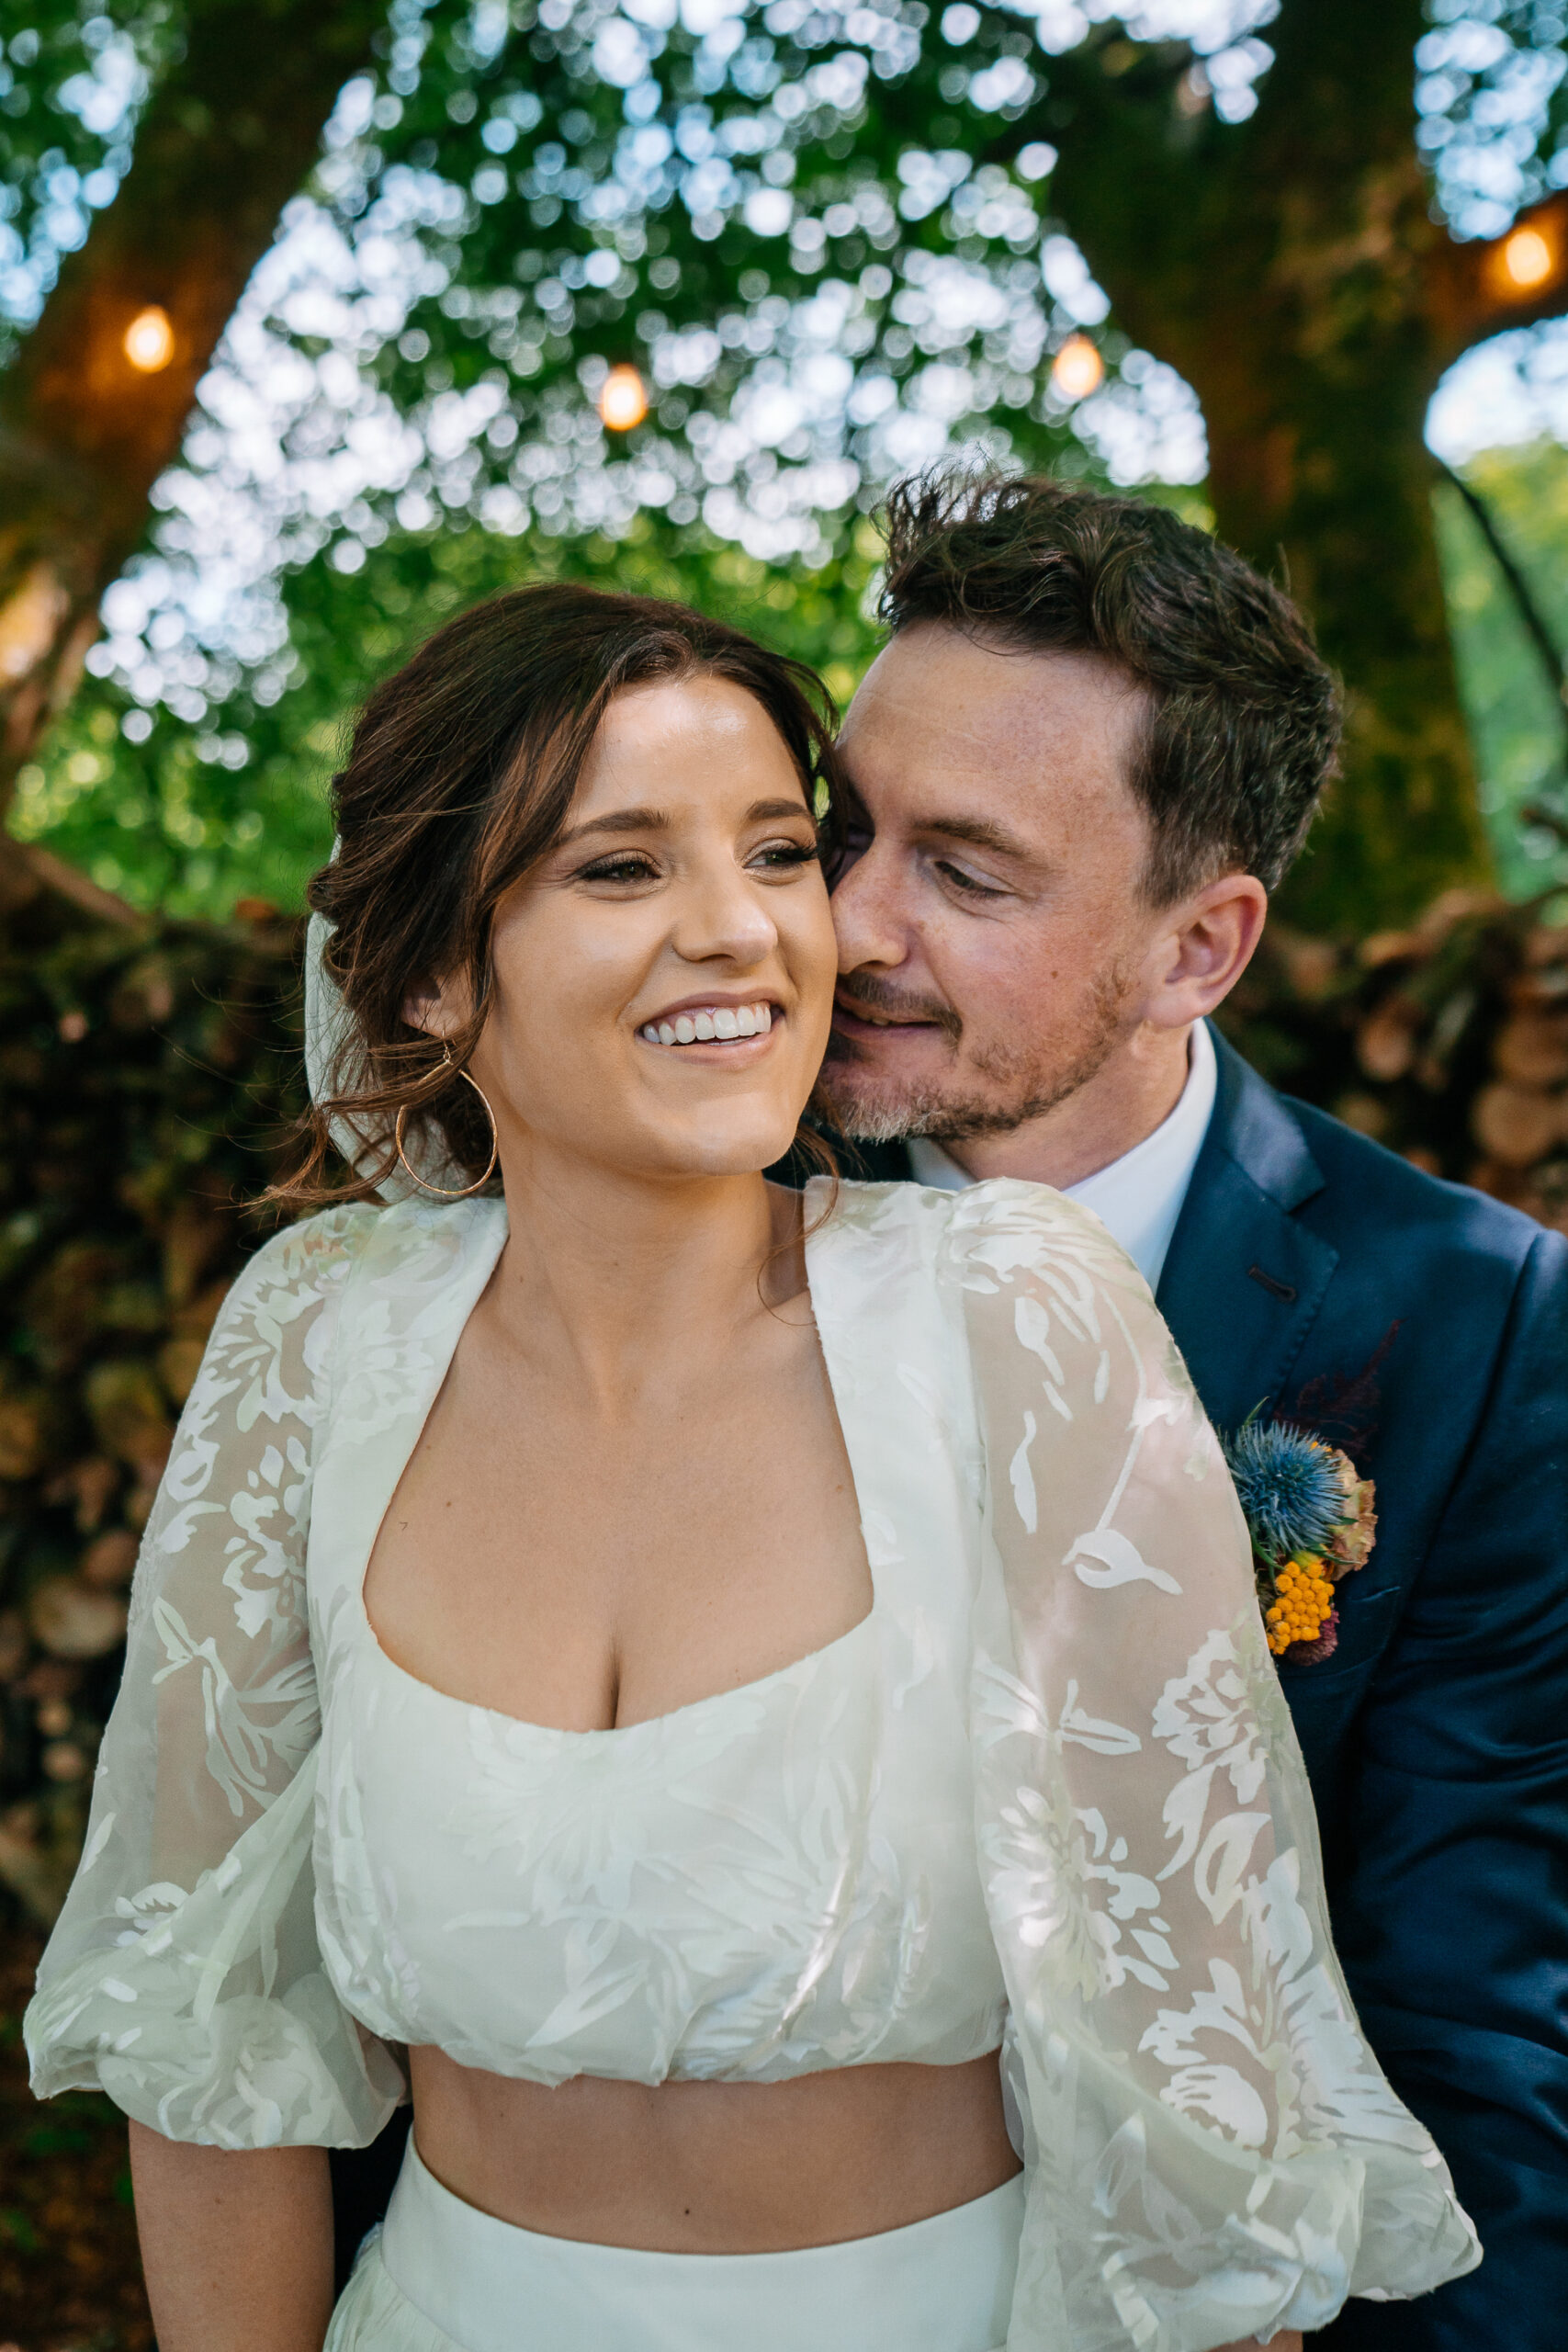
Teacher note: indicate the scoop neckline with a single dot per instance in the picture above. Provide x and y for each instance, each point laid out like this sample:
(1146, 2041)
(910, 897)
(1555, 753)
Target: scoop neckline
(755, 1691)
(759, 1687)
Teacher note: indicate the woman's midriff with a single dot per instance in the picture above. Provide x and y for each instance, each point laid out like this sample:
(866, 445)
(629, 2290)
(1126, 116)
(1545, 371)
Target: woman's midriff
(715, 2168)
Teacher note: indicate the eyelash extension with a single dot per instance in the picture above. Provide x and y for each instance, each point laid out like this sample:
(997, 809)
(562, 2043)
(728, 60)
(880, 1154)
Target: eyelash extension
(636, 867)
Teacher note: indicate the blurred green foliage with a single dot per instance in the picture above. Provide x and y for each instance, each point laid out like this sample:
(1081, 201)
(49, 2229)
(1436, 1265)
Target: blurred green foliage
(1517, 719)
(524, 190)
(73, 78)
(196, 817)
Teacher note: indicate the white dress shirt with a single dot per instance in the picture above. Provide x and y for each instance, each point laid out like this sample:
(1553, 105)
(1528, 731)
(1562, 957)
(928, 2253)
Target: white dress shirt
(1138, 1197)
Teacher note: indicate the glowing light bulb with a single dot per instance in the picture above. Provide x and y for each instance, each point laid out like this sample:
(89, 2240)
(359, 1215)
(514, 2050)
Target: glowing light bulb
(1528, 259)
(1079, 370)
(623, 402)
(150, 340)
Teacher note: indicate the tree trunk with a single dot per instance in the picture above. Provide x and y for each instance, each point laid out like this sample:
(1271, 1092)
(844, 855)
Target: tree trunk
(1290, 267)
(230, 132)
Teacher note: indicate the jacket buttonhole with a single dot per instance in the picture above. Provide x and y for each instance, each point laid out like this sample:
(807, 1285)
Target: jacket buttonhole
(1284, 1291)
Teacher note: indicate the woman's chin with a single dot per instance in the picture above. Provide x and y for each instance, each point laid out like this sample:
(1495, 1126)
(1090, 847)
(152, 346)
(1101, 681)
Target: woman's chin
(743, 1149)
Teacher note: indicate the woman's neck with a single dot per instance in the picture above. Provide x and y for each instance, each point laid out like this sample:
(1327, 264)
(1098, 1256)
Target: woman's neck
(607, 1275)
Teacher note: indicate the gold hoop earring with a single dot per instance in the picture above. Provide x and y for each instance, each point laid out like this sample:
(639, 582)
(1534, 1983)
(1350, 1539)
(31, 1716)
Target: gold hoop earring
(445, 1192)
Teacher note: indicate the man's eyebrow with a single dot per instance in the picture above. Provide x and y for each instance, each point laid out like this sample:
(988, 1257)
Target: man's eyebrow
(657, 820)
(980, 834)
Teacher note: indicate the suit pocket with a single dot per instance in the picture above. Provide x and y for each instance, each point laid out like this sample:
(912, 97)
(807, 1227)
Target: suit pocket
(1366, 1621)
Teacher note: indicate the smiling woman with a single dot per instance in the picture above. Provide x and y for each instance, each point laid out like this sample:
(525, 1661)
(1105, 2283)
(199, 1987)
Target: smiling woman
(618, 753)
(709, 876)
(695, 1691)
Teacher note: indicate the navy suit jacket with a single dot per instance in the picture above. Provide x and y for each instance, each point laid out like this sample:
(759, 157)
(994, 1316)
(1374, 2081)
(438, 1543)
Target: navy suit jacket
(1424, 1327)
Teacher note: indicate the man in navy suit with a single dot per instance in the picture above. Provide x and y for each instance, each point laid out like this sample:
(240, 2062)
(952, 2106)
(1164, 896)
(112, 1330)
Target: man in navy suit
(1089, 750)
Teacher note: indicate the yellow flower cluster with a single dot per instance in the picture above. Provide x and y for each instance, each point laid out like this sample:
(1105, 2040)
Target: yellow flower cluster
(1304, 1598)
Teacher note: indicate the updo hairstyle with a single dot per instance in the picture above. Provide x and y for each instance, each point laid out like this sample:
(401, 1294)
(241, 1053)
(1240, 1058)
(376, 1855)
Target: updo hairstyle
(462, 769)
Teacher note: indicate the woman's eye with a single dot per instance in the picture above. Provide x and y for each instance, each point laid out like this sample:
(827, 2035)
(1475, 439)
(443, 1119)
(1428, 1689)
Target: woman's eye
(619, 870)
(784, 854)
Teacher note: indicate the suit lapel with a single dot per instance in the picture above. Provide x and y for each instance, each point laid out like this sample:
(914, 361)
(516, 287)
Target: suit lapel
(1244, 1280)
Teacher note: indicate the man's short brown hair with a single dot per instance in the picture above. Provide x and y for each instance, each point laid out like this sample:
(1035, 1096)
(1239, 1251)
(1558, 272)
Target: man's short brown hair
(1243, 714)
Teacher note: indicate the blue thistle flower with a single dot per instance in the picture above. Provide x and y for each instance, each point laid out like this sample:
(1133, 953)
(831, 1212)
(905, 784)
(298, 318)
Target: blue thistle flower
(1286, 1483)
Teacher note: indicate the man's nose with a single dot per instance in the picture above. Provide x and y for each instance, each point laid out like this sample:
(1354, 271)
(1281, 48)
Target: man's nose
(866, 913)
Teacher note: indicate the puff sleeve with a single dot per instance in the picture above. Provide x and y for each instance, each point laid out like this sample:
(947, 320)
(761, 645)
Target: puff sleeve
(1214, 2152)
(184, 1976)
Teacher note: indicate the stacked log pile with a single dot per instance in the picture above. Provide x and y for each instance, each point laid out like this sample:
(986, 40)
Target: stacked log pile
(147, 1075)
(1448, 1043)
(147, 1078)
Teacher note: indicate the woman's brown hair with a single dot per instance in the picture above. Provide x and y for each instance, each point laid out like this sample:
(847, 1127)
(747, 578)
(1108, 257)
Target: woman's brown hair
(461, 771)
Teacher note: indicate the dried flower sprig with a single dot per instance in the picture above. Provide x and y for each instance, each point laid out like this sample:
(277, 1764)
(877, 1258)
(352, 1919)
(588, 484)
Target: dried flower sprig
(1311, 1517)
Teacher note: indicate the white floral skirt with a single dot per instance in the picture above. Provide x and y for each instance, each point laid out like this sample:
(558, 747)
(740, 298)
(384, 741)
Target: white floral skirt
(442, 2277)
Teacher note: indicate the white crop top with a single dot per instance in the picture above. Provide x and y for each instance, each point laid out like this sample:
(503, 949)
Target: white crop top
(772, 1880)
(1050, 1779)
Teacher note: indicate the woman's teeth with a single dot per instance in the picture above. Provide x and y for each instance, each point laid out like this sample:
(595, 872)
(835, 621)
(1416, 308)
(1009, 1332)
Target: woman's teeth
(712, 1021)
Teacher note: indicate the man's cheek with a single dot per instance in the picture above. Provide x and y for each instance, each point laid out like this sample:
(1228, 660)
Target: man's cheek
(1006, 978)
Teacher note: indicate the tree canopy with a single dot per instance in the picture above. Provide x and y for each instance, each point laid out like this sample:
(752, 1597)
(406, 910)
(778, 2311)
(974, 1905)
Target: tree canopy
(833, 244)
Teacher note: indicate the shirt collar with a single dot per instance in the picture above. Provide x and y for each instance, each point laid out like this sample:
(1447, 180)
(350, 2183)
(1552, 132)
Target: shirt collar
(1138, 1197)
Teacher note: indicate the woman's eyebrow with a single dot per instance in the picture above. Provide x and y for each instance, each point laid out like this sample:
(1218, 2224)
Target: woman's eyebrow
(657, 820)
(760, 810)
(619, 821)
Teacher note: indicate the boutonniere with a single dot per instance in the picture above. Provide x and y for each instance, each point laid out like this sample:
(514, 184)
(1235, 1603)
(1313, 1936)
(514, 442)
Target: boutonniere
(1311, 1519)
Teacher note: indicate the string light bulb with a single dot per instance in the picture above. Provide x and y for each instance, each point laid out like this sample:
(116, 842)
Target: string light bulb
(150, 340)
(1079, 370)
(623, 400)
(1528, 260)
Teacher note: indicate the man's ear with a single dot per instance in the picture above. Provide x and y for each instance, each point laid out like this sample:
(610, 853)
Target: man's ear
(1211, 938)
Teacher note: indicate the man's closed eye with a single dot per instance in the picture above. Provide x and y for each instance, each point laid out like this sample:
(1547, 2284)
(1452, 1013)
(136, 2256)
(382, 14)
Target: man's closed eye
(966, 885)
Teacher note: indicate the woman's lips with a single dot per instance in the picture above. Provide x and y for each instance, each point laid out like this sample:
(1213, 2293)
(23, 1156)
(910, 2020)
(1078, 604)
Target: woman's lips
(710, 1025)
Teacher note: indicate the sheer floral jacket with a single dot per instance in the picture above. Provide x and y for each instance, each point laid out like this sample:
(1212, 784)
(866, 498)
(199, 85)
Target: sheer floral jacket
(1212, 2149)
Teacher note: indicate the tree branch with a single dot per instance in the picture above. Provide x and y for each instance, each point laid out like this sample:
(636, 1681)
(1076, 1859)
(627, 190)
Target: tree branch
(1529, 611)
(230, 132)
(1537, 812)
(32, 867)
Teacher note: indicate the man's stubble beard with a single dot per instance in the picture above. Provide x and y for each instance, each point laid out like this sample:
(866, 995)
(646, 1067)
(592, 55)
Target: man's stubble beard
(1028, 1084)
